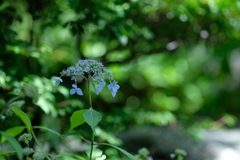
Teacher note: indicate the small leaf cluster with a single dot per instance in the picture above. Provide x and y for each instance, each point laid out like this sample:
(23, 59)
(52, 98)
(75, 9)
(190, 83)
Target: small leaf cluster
(25, 138)
(143, 154)
(179, 154)
(90, 70)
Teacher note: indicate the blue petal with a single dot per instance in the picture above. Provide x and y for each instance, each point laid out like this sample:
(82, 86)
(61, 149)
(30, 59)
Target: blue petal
(113, 87)
(113, 93)
(100, 87)
(72, 91)
(98, 90)
(57, 82)
(79, 92)
(110, 86)
(74, 86)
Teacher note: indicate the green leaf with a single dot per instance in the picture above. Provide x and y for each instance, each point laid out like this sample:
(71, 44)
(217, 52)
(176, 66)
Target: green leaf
(50, 130)
(17, 104)
(13, 104)
(73, 134)
(67, 155)
(92, 117)
(77, 119)
(23, 117)
(2, 157)
(5, 152)
(15, 144)
(14, 131)
(122, 150)
(31, 91)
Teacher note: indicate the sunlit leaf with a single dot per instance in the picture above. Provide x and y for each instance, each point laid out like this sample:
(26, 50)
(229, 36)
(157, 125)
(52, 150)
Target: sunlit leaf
(23, 117)
(15, 144)
(14, 131)
(122, 150)
(2, 157)
(77, 119)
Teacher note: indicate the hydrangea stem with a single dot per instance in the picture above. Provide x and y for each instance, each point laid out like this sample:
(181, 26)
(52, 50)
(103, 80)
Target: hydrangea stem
(90, 103)
(92, 140)
(89, 90)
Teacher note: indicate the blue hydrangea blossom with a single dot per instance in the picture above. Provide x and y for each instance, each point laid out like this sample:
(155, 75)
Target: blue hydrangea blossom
(100, 87)
(92, 69)
(57, 80)
(113, 87)
(77, 90)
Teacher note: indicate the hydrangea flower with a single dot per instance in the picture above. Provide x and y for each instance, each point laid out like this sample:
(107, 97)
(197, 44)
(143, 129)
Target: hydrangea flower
(57, 80)
(89, 69)
(100, 87)
(77, 90)
(113, 87)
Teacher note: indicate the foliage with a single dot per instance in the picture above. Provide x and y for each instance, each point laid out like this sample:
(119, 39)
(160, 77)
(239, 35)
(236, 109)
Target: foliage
(176, 63)
(178, 154)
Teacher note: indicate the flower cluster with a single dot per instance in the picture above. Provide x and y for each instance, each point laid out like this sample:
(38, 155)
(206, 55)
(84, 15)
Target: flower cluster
(27, 151)
(38, 156)
(94, 70)
(25, 138)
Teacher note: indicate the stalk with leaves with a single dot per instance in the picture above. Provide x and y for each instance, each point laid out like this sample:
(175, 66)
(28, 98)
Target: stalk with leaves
(94, 73)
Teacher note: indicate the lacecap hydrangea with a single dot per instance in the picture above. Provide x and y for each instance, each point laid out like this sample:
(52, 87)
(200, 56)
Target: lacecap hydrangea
(90, 70)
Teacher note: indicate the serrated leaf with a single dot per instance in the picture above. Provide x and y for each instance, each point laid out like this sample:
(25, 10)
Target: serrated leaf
(15, 144)
(14, 131)
(122, 150)
(77, 119)
(23, 117)
(31, 91)
(92, 117)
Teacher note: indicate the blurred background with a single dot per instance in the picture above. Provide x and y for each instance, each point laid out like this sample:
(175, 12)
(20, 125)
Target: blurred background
(177, 64)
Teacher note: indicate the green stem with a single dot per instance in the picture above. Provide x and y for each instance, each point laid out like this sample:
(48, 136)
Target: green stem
(91, 151)
(35, 138)
(89, 90)
(90, 103)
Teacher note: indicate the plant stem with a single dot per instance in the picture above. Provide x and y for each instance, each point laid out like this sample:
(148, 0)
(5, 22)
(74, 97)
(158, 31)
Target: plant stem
(90, 103)
(40, 147)
(89, 90)
(92, 140)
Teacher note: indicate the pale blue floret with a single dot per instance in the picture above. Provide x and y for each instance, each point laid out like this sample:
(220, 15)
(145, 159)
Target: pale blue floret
(100, 87)
(95, 70)
(57, 80)
(113, 87)
(77, 90)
